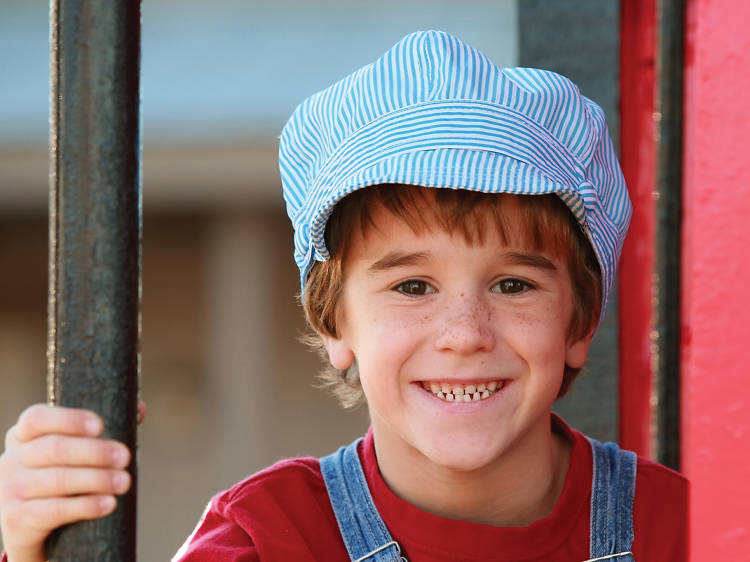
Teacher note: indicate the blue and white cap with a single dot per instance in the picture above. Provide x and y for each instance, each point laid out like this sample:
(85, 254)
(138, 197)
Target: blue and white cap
(435, 112)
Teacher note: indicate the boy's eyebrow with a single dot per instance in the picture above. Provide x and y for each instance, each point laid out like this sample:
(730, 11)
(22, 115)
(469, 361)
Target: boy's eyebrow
(398, 259)
(401, 259)
(532, 260)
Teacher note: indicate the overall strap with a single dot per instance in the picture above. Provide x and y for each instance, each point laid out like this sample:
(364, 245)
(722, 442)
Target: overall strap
(365, 535)
(612, 493)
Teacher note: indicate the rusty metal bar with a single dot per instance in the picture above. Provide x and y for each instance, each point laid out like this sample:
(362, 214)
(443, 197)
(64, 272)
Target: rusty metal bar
(666, 314)
(95, 237)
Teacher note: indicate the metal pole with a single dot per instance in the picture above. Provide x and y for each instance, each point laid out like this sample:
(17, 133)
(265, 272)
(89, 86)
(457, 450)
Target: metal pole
(667, 263)
(95, 236)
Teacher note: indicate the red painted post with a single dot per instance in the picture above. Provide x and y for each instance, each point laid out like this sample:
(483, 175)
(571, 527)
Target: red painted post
(638, 158)
(716, 278)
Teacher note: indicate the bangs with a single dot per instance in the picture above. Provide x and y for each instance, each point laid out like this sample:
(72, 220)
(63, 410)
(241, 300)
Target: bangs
(545, 226)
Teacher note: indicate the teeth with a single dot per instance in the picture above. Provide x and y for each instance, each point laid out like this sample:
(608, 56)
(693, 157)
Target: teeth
(463, 393)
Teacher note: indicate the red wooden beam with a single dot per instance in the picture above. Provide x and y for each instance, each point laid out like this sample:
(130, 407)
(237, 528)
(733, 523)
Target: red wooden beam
(716, 278)
(638, 158)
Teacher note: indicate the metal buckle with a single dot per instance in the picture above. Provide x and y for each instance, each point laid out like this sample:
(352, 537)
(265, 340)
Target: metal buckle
(380, 549)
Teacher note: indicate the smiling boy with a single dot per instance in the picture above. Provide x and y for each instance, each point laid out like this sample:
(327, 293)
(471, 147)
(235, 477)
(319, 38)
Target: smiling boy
(457, 229)
(460, 343)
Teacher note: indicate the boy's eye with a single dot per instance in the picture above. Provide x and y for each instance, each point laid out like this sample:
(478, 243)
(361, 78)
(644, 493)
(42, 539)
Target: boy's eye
(415, 287)
(512, 286)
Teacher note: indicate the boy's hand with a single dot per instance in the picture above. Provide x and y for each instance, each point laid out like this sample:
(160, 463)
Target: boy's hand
(56, 470)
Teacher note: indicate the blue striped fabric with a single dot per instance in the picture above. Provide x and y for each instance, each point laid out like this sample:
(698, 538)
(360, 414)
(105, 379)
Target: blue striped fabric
(435, 112)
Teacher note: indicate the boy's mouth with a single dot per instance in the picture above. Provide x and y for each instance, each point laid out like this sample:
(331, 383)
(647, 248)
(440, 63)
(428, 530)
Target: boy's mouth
(454, 392)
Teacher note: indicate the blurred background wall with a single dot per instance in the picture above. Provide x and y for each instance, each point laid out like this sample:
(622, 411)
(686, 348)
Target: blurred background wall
(229, 387)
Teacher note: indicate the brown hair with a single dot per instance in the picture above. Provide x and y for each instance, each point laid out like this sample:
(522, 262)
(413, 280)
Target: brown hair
(550, 227)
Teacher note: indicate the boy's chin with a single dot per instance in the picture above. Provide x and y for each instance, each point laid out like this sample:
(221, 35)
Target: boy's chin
(464, 463)
(464, 455)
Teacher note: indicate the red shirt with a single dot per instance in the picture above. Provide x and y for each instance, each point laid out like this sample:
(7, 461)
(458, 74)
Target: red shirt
(283, 513)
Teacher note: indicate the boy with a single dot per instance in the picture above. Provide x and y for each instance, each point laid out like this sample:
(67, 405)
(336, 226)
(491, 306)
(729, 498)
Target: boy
(457, 229)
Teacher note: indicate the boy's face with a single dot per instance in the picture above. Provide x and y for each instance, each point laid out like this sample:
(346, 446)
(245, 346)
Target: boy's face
(427, 312)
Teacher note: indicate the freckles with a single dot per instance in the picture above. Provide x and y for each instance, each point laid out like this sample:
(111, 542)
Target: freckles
(547, 317)
(525, 319)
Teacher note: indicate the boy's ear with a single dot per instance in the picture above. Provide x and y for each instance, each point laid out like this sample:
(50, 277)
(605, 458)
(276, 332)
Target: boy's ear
(576, 352)
(340, 354)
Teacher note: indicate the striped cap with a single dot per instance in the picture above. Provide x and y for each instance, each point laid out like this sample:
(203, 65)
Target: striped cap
(435, 112)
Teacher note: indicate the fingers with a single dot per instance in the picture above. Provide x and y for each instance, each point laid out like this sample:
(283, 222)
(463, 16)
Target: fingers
(42, 419)
(59, 511)
(56, 469)
(61, 450)
(49, 513)
(64, 481)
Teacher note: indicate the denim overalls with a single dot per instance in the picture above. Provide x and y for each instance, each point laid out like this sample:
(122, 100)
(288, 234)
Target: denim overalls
(367, 539)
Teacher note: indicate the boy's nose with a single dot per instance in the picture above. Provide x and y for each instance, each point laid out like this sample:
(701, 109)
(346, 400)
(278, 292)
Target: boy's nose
(467, 329)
